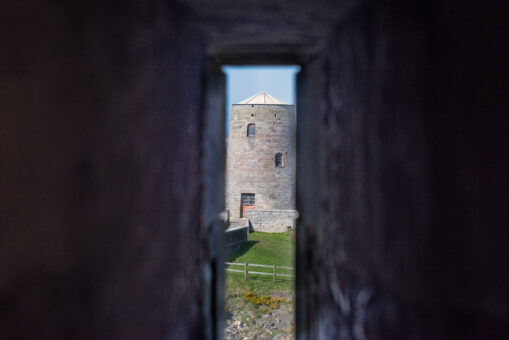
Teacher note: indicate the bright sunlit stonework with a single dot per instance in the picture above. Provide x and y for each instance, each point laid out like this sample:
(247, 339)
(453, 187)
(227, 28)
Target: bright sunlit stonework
(260, 173)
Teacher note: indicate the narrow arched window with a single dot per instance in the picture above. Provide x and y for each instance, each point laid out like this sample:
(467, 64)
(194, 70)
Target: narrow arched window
(251, 130)
(279, 160)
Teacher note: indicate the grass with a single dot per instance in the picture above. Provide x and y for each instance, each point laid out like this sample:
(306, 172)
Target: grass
(244, 298)
(266, 248)
(263, 248)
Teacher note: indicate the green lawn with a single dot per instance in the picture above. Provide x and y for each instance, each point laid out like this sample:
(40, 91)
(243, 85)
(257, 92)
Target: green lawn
(268, 249)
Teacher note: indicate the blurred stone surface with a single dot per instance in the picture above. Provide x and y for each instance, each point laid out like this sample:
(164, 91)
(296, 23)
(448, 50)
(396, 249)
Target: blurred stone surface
(402, 165)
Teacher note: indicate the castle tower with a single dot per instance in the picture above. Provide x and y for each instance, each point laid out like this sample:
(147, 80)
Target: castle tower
(260, 170)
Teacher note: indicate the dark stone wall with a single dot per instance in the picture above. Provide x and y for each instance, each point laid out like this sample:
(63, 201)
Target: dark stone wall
(234, 238)
(100, 101)
(402, 167)
(413, 239)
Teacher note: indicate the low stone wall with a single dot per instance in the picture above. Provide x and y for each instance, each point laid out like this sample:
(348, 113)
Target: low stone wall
(235, 237)
(272, 221)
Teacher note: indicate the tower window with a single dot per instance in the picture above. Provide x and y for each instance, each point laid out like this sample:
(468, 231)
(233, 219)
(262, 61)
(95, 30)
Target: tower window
(279, 160)
(251, 130)
(248, 198)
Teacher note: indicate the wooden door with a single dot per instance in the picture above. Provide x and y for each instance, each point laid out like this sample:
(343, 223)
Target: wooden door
(247, 202)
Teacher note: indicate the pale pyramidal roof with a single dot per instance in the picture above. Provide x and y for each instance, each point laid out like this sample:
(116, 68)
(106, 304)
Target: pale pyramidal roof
(262, 98)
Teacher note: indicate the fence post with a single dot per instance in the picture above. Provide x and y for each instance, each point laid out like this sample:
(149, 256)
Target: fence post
(274, 273)
(245, 271)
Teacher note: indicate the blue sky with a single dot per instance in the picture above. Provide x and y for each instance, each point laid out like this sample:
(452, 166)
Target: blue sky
(244, 81)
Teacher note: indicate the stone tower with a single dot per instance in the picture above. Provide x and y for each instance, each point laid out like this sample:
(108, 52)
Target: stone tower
(260, 171)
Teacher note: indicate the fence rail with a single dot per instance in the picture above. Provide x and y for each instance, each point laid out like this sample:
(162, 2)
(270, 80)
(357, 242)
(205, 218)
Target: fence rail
(246, 270)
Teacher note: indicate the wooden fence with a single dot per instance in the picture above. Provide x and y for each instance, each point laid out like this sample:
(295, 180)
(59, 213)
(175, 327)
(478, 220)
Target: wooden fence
(246, 271)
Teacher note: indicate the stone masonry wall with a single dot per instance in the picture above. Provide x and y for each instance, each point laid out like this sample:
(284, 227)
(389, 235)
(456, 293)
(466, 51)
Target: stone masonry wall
(251, 160)
(272, 221)
(235, 237)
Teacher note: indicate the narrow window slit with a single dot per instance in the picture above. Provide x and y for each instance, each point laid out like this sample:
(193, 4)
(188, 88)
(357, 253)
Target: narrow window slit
(260, 201)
